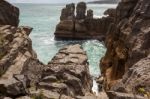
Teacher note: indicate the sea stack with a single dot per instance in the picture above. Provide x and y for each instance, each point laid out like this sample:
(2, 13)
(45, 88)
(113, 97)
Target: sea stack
(81, 26)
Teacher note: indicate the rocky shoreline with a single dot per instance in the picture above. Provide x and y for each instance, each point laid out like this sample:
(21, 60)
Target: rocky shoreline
(125, 67)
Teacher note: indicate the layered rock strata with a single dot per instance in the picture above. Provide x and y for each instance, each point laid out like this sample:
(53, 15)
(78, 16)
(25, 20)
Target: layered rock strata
(17, 55)
(126, 64)
(81, 26)
(67, 73)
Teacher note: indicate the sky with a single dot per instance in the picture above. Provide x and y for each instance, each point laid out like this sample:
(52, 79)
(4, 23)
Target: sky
(45, 1)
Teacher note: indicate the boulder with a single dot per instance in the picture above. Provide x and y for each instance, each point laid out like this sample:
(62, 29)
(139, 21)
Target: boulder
(15, 86)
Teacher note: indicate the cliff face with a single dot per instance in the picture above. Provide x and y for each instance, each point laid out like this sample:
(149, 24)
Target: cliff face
(81, 26)
(9, 15)
(127, 41)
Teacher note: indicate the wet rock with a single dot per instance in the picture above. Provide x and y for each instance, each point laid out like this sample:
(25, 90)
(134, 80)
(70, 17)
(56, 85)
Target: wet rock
(9, 14)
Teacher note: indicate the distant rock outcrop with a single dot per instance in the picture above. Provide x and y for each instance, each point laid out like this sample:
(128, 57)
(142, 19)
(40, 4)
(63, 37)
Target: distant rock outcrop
(81, 26)
(9, 15)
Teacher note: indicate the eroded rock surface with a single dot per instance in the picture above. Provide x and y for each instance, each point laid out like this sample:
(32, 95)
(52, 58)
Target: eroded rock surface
(18, 55)
(125, 65)
(68, 73)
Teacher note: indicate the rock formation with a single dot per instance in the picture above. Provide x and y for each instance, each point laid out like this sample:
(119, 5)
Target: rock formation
(23, 76)
(67, 13)
(81, 10)
(68, 73)
(126, 64)
(16, 73)
(81, 26)
(9, 15)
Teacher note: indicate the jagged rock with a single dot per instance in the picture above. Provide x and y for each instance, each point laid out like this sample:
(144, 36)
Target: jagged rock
(82, 27)
(9, 15)
(111, 12)
(19, 65)
(89, 14)
(125, 65)
(33, 70)
(18, 47)
(81, 10)
(13, 87)
(67, 13)
(69, 71)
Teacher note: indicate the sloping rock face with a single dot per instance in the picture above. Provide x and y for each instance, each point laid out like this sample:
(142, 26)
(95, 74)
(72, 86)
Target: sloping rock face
(9, 15)
(128, 48)
(81, 26)
(18, 56)
(68, 73)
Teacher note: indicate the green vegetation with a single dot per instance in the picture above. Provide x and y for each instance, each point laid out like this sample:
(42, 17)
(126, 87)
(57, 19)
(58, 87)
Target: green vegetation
(142, 91)
(39, 96)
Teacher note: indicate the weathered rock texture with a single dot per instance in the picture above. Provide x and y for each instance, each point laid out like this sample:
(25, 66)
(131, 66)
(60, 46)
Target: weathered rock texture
(68, 73)
(23, 76)
(9, 15)
(81, 26)
(127, 58)
(17, 55)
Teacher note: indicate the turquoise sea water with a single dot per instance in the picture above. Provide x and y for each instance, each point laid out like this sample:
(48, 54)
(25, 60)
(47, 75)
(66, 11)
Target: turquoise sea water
(44, 18)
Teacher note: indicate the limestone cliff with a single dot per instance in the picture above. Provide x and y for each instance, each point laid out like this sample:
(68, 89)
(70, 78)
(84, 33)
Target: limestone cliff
(126, 61)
